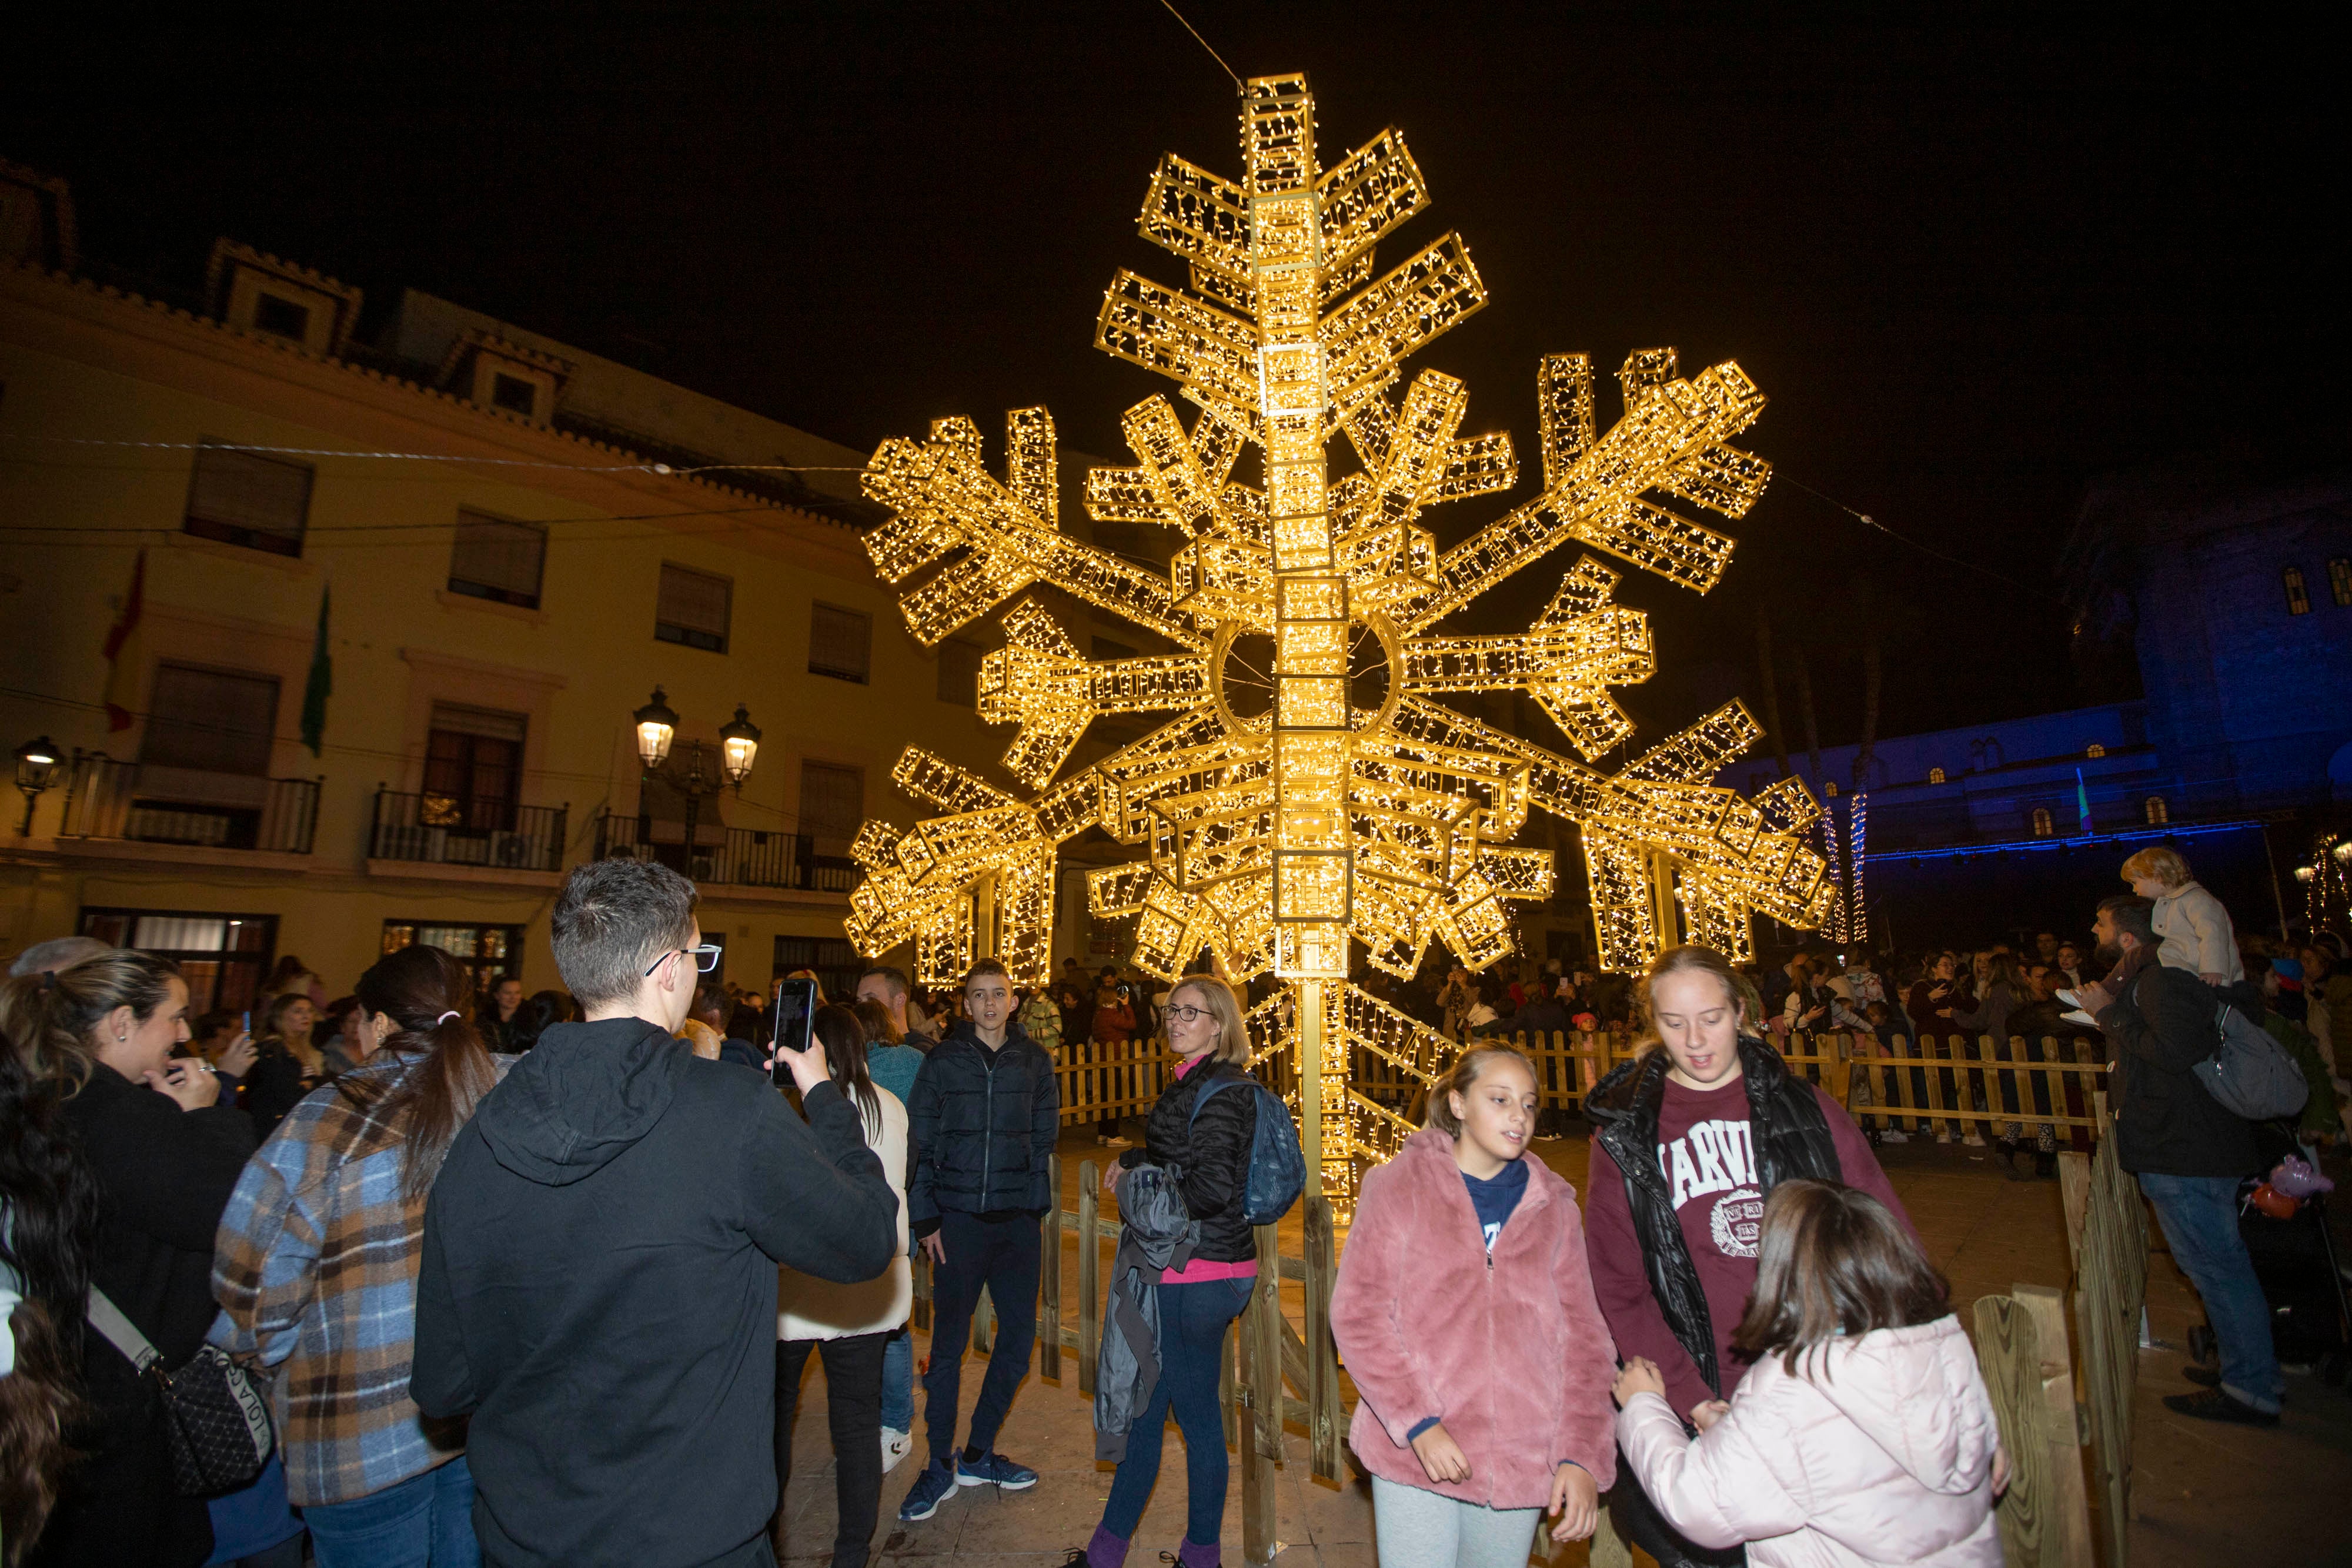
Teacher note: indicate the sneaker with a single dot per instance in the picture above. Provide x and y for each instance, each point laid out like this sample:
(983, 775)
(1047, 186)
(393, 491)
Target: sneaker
(1944, 1137)
(895, 1445)
(932, 1485)
(1118, 1143)
(993, 1469)
(2215, 1405)
(1892, 1136)
(1973, 1141)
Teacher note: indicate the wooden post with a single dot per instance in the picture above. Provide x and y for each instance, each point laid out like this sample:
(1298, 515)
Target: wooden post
(1049, 1277)
(1608, 1548)
(1261, 1391)
(1229, 1394)
(2074, 1193)
(2068, 1541)
(1089, 1276)
(983, 1323)
(1323, 1408)
(921, 1315)
(1936, 1083)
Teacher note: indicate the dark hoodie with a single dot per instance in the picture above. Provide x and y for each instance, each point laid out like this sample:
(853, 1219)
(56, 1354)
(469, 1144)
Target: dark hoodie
(598, 1291)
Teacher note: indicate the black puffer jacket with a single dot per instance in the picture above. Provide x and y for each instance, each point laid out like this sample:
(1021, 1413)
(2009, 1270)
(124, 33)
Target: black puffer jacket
(1211, 1152)
(982, 1125)
(1791, 1137)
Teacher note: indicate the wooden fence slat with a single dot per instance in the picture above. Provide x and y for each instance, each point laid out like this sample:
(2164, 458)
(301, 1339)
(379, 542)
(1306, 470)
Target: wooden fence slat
(1259, 1390)
(1049, 1277)
(2067, 1544)
(1324, 1426)
(2009, 1352)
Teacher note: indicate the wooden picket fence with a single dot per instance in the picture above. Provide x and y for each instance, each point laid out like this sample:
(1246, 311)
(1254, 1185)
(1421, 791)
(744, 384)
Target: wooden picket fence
(2057, 1515)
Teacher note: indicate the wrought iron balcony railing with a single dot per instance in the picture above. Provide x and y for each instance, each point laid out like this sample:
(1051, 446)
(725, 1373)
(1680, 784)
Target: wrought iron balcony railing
(738, 857)
(144, 803)
(441, 830)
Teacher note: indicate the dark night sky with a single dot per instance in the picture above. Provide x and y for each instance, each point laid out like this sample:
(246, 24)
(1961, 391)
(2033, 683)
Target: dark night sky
(1973, 262)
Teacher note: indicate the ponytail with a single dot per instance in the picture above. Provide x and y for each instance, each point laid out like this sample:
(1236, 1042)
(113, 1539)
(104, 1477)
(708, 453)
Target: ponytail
(428, 994)
(53, 1014)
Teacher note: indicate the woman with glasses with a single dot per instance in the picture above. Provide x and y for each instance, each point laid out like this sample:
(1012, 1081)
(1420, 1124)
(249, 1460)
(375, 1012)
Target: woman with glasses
(1206, 1135)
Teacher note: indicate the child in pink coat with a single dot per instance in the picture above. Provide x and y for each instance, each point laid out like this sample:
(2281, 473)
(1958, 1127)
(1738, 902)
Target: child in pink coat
(1861, 1435)
(1466, 1314)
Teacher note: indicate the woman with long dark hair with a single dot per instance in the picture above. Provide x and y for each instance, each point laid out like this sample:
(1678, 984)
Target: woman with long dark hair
(847, 1324)
(316, 1271)
(162, 1155)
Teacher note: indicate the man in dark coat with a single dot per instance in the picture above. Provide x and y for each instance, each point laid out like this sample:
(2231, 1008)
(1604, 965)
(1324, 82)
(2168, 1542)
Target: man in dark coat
(2189, 1151)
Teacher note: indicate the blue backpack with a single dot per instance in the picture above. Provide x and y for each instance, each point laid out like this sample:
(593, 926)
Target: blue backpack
(1278, 1166)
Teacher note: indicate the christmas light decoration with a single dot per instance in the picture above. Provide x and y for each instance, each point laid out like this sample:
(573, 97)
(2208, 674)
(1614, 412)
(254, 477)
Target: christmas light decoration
(1312, 790)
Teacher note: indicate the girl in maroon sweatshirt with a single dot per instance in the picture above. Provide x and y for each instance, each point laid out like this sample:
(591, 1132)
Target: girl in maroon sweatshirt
(1464, 1312)
(1689, 1139)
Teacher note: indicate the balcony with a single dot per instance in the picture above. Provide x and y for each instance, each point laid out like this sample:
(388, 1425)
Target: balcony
(731, 857)
(137, 803)
(489, 835)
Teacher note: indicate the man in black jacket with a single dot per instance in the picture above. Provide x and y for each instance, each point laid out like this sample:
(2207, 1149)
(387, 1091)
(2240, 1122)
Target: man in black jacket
(983, 1120)
(2189, 1152)
(598, 1289)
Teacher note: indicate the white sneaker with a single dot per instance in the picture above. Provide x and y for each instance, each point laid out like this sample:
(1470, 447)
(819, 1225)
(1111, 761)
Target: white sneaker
(894, 1447)
(1892, 1136)
(1118, 1143)
(1974, 1140)
(1943, 1135)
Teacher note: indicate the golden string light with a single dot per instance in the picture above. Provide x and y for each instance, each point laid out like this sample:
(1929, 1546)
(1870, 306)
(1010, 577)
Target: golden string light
(1312, 791)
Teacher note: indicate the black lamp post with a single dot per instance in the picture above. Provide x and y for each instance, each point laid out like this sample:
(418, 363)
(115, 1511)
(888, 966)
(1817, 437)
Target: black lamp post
(698, 773)
(37, 768)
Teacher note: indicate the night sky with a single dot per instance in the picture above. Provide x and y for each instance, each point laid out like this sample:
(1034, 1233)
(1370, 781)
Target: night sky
(1974, 263)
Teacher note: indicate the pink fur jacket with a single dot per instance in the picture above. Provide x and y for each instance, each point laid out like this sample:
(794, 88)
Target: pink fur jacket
(1878, 1451)
(1509, 1352)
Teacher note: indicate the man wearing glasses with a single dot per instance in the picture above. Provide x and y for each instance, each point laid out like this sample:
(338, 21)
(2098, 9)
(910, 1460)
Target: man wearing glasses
(598, 1288)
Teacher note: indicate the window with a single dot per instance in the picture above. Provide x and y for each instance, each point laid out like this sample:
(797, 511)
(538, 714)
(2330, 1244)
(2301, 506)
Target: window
(2298, 597)
(247, 499)
(492, 952)
(1935, 775)
(214, 721)
(960, 673)
(494, 558)
(1829, 789)
(514, 394)
(2041, 821)
(224, 957)
(472, 770)
(281, 318)
(833, 804)
(841, 643)
(2339, 579)
(693, 608)
(2095, 751)
(2158, 814)
(837, 964)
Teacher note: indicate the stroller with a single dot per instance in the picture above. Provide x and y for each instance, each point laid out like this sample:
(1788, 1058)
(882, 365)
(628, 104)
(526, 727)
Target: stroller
(2295, 1260)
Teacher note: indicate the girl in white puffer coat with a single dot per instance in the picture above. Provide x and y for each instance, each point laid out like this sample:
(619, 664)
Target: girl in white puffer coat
(1862, 1435)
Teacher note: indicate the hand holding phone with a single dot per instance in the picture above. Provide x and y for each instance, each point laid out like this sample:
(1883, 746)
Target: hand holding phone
(796, 1054)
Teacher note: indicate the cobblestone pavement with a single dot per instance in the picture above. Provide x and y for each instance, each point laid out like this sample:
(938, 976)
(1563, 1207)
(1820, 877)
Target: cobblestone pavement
(2204, 1495)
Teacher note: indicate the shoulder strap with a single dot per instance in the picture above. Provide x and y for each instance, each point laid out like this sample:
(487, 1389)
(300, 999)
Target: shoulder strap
(119, 1331)
(1222, 1075)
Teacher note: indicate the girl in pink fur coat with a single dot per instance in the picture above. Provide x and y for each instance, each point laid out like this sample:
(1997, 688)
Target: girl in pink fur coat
(1861, 1435)
(1464, 1312)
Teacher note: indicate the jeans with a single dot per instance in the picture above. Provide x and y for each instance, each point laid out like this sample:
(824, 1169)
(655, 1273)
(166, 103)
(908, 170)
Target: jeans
(2199, 1217)
(853, 1401)
(1001, 1254)
(1192, 1320)
(424, 1521)
(898, 1380)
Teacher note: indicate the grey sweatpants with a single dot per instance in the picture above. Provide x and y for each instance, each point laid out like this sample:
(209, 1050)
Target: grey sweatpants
(1416, 1528)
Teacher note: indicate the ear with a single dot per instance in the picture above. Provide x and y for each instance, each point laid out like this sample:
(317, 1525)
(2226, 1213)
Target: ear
(118, 1024)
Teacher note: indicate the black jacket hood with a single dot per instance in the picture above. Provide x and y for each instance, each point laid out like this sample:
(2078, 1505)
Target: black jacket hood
(583, 1094)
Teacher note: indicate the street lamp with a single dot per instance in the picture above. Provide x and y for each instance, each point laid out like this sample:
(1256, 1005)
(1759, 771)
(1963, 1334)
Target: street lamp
(36, 770)
(695, 773)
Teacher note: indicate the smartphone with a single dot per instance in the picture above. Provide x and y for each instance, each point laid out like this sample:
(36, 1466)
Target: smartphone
(795, 1012)
(248, 1020)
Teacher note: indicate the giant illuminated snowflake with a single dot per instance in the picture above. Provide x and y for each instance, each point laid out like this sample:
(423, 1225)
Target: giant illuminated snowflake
(1312, 788)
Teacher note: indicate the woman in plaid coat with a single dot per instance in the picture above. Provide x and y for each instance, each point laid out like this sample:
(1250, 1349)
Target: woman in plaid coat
(315, 1271)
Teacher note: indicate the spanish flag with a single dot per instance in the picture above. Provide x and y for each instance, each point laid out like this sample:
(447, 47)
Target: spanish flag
(122, 661)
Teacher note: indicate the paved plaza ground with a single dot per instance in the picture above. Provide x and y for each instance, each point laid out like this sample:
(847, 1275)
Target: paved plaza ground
(2204, 1495)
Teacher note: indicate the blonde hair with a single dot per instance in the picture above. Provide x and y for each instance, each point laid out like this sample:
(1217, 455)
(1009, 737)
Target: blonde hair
(1458, 1079)
(2164, 865)
(1217, 999)
(1682, 961)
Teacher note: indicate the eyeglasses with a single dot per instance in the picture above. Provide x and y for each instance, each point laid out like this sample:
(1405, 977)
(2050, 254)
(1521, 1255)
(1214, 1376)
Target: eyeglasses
(1186, 1013)
(705, 957)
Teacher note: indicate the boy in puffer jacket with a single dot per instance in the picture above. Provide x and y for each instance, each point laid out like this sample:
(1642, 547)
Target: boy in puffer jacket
(1863, 1434)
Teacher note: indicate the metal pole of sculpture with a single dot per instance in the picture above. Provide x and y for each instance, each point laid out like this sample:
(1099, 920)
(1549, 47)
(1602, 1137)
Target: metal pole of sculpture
(1312, 793)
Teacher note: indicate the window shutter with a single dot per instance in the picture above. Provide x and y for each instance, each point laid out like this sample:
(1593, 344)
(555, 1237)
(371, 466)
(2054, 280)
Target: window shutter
(210, 721)
(693, 608)
(841, 643)
(478, 721)
(495, 558)
(833, 803)
(251, 494)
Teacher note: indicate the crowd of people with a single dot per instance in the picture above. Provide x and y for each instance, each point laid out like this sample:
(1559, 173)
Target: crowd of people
(535, 1280)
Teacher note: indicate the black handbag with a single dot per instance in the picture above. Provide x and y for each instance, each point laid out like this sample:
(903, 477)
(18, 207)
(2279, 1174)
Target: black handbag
(216, 1419)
